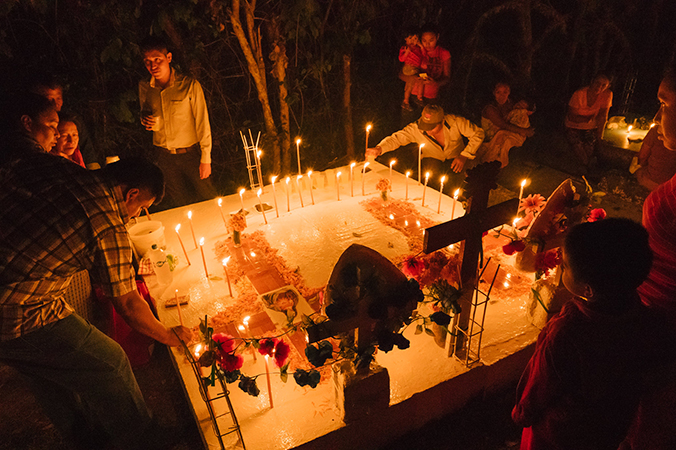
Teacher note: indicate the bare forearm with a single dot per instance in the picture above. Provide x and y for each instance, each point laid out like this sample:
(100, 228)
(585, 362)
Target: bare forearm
(136, 312)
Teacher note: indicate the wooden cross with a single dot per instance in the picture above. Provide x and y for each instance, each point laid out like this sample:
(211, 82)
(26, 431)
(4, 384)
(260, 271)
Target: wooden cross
(370, 264)
(477, 219)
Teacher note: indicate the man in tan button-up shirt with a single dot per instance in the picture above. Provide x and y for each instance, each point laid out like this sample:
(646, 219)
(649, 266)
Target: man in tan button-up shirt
(442, 135)
(173, 107)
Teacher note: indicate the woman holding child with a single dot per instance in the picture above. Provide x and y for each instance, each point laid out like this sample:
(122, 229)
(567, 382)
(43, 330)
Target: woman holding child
(505, 123)
(434, 71)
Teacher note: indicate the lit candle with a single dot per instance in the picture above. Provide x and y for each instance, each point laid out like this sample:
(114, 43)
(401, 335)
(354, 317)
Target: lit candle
(368, 130)
(629, 128)
(287, 194)
(192, 230)
(241, 198)
(300, 190)
(363, 176)
(420, 160)
(441, 190)
(408, 174)
(178, 227)
(147, 213)
(298, 153)
(267, 376)
(227, 276)
(178, 308)
(455, 199)
(514, 222)
(204, 261)
(245, 321)
(312, 195)
(523, 184)
(352, 164)
(392, 163)
(652, 124)
(260, 203)
(338, 185)
(220, 208)
(274, 193)
(427, 177)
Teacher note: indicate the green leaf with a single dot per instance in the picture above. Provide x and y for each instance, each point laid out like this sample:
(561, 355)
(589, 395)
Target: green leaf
(429, 332)
(418, 329)
(284, 373)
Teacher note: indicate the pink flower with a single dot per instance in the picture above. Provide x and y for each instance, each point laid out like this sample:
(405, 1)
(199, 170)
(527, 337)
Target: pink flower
(413, 267)
(383, 185)
(514, 247)
(533, 203)
(231, 362)
(267, 346)
(596, 214)
(224, 343)
(282, 351)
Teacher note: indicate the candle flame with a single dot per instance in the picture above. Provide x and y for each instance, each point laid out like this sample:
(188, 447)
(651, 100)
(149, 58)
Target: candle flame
(201, 241)
(298, 177)
(246, 320)
(406, 222)
(178, 227)
(523, 183)
(368, 128)
(242, 191)
(455, 194)
(309, 173)
(366, 164)
(189, 214)
(226, 261)
(287, 180)
(297, 141)
(652, 124)
(260, 191)
(240, 328)
(443, 178)
(450, 247)
(516, 219)
(629, 128)
(408, 173)
(417, 222)
(338, 174)
(422, 145)
(273, 179)
(198, 348)
(253, 255)
(393, 162)
(509, 275)
(427, 175)
(391, 217)
(352, 164)
(506, 284)
(260, 152)
(220, 202)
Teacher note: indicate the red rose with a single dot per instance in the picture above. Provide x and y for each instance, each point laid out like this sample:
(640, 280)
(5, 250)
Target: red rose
(597, 214)
(514, 247)
(412, 267)
(267, 346)
(282, 351)
(224, 343)
(231, 362)
(547, 260)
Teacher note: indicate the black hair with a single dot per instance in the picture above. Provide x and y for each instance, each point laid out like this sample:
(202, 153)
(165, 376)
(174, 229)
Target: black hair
(20, 104)
(154, 43)
(612, 256)
(429, 28)
(66, 117)
(411, 31)
(43, 80)
(136, 173)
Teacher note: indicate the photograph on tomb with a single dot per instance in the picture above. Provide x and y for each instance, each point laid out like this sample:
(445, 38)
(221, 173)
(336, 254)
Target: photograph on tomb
(285, 305)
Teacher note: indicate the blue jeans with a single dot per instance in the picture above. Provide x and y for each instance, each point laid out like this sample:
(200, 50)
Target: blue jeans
(76, 373)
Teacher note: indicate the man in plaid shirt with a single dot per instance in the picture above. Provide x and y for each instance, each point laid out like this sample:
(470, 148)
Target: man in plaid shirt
(56, 219)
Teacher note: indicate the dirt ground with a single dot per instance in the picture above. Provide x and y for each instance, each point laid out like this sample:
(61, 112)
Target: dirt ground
(484, 424)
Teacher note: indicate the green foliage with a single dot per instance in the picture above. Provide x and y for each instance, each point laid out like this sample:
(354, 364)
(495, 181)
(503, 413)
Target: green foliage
(307, 378)
(249, 386)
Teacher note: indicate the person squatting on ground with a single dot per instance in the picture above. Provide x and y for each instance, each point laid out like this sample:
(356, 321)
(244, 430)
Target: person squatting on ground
(442, 135)
(586, 117)
(173, 107)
